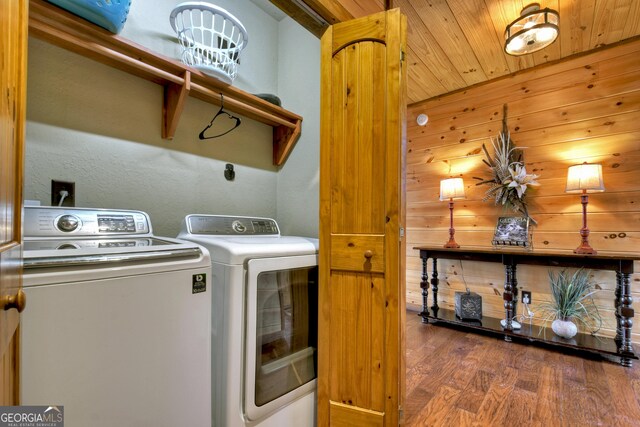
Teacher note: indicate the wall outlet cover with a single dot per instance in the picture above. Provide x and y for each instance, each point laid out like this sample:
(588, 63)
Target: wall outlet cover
(57, 187)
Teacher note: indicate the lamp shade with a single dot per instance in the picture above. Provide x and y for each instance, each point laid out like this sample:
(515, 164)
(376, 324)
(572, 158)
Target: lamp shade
(535, 29)
(452, 188)
(585, 178)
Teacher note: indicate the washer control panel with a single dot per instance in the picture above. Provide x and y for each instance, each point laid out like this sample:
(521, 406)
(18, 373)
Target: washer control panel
(55, 222)
(117, 223)
(239, 227)
(219, 225)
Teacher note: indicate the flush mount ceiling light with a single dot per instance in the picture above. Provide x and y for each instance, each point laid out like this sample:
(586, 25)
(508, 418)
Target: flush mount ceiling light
(535, 29)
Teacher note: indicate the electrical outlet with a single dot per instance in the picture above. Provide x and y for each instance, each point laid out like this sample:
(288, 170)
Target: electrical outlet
(57, 187)
(526, 297)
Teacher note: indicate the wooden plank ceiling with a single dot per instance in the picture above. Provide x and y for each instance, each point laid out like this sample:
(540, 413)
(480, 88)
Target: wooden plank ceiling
(453, 44)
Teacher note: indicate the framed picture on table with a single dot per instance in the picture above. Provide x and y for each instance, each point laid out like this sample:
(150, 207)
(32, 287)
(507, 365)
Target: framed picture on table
(512, 231)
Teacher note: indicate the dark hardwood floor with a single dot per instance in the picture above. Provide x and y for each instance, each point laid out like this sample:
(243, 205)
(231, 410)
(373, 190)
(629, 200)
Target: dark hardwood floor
(457, 378)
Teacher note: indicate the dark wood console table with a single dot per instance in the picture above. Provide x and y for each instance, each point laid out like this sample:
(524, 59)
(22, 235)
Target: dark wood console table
(621, 264)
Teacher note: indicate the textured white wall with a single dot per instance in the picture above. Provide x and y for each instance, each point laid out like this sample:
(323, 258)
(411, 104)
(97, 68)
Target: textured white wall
(100, 128)
(299, 89)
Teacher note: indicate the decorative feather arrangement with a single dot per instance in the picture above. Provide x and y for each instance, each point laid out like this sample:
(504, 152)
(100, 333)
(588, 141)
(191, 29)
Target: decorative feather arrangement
(509, 178)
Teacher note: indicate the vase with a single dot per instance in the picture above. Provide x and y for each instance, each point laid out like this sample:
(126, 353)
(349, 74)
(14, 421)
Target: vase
(564, 328)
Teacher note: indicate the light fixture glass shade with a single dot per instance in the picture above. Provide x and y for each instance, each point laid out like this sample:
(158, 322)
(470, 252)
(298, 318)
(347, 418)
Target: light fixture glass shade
(452, 188)
(585, 177)
(535, 29)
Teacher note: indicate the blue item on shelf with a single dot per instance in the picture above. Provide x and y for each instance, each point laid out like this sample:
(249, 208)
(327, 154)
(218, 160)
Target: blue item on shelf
(109, 14)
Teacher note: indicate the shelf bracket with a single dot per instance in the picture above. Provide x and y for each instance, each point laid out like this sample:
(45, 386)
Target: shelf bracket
(175, 96)
(284, 139)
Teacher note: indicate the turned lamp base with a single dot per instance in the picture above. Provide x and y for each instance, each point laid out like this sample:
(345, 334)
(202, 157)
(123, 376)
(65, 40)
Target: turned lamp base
(451, 244)
(585, 250)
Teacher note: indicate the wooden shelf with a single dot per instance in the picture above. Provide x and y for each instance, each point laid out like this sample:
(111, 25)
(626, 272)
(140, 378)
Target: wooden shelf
(63, 29)
(531, 333)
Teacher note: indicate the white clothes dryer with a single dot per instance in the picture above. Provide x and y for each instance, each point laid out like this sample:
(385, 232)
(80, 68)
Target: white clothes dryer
(264, 324)
(117, 326)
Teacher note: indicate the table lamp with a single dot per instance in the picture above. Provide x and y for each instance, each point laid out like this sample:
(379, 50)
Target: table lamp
(451, 189)
(585, 178)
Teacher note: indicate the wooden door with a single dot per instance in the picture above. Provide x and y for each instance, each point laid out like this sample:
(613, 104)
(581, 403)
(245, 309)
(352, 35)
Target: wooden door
(13, 69)
(362, 290)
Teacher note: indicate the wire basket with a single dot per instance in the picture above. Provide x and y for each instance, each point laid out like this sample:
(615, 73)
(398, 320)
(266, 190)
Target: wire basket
(211, 38)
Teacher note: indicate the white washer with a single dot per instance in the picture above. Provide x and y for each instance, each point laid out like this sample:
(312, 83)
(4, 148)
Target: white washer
(117, 324)
(264, 325)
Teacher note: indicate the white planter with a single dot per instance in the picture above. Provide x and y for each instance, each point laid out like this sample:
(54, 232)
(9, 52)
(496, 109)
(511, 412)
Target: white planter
(564, 328)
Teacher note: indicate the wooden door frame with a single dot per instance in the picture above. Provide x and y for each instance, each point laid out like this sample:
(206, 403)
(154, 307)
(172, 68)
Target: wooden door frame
(13, 75)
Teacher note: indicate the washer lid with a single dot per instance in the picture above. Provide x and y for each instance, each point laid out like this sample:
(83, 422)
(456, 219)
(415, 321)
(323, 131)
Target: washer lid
(237, 250)
(235, 239)
(98, 244)
(107, 252)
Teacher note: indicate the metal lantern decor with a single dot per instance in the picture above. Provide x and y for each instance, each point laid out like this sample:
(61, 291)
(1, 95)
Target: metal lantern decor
(468, 305)
(535, 29)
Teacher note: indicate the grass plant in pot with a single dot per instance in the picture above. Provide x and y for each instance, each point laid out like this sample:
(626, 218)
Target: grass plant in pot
(572, 304)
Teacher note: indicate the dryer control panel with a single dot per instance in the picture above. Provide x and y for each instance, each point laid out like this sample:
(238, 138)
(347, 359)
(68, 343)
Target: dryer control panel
(49, 221)
(220, 225)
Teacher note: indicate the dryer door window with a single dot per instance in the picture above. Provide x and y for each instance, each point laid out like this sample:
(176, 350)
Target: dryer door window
(282, 304)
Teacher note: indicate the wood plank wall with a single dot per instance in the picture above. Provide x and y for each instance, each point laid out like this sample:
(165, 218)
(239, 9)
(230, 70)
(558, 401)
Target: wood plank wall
(582, 109)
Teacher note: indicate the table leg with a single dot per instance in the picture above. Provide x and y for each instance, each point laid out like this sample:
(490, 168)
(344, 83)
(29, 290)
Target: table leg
(618, 303)
(626, 314)
(424, 285)
(434, 288)
(514, 292)
(507, 296)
